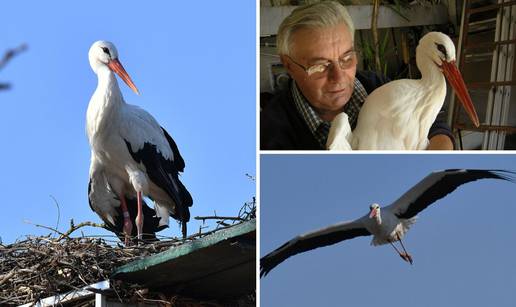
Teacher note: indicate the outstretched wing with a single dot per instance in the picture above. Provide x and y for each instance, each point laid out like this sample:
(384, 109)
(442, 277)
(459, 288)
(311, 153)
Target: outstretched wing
(312, 240)
(437, 185)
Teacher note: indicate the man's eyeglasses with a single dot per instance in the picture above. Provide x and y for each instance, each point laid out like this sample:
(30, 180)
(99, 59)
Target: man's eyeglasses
(346, 61)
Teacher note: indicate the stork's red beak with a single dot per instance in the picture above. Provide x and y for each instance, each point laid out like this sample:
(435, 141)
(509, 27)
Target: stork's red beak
(117, 67)
(372, 213)
(455, 79)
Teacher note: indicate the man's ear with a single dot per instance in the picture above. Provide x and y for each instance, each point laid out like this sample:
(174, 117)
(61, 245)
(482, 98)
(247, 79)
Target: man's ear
(286, 63)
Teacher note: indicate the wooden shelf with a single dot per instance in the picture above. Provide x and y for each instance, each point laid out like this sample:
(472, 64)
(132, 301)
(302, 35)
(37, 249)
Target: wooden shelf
(271, 17)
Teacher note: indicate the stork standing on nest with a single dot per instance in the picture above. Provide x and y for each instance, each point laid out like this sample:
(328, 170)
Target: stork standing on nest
(132, 155)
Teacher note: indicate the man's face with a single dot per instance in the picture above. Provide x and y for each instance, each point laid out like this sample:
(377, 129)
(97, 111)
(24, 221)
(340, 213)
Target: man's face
(330, 92)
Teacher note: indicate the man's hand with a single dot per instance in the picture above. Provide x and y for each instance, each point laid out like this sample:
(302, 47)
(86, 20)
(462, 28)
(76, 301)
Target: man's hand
(440, 142)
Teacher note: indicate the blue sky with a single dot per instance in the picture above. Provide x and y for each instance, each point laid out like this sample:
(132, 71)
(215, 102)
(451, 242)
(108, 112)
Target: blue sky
(463, 245)
(194, 64)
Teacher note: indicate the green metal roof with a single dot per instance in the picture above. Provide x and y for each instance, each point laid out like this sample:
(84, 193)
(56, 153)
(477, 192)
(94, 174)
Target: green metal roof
(220, 265)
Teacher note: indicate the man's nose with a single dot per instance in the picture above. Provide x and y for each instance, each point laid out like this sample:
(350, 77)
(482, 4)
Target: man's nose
(336, 73)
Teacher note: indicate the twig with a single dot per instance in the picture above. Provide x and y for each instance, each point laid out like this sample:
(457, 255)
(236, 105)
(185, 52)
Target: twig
(9, 54)
(6, 277)
(75, 227)
(43, 226)
(58, 211)
(251, 177)
(214, 217)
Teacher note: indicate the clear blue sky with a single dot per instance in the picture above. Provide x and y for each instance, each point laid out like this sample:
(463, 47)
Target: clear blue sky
(463, 246)
(194, 64)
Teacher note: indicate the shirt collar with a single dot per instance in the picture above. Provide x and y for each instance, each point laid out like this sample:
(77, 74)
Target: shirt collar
(319, 127)
(305, 109)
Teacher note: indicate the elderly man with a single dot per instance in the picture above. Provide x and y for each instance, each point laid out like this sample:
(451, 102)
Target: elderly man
(315, 44)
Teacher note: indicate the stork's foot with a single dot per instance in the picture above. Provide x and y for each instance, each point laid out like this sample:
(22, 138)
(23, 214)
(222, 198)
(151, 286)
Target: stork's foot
(407, 257)
(128, 228)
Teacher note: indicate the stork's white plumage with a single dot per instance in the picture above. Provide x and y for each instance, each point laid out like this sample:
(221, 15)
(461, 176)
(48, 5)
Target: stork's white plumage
(104, 201)
(132, 155)
(399, 114)
(388, 224)
(340, 135)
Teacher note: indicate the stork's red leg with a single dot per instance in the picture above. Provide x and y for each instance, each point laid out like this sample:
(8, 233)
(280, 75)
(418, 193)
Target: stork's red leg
(139, 217)
(128, 226)
(405, 255)
(396, 249)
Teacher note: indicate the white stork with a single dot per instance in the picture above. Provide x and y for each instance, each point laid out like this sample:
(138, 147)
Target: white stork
(388, 224)
(132, 155)
(399, 114)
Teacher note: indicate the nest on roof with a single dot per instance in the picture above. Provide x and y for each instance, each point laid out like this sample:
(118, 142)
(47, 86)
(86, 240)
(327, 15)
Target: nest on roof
(44, 266)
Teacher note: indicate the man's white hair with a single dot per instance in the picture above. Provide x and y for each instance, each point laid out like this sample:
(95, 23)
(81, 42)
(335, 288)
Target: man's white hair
(318, 15)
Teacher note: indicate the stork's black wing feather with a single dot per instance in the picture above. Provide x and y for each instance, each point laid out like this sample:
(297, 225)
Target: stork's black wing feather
(319, 238)
(178, 160)
(439, 184)
(165, 174)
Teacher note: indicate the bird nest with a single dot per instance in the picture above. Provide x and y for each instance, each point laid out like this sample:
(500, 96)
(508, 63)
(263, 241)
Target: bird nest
(43, 266)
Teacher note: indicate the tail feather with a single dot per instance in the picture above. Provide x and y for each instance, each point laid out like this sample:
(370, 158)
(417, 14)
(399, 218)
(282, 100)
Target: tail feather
(183, 229)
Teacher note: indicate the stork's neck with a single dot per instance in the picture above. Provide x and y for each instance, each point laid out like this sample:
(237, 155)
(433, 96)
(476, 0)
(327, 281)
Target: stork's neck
(107, 87)
(378, 217)
(431, 96)
(431, 75)
(105, 102)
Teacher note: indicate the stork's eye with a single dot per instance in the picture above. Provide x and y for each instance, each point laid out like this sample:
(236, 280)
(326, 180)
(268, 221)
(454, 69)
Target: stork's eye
(442, 49)
(106, 50)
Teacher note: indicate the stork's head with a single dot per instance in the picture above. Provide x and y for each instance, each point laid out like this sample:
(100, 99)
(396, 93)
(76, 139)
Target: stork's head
(440, 49)
(104, 54)
(375, 211)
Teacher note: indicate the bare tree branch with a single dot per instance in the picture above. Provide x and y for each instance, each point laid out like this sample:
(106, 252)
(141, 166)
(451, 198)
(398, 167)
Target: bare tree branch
(215, 217)
(9, 54)
(75, 227)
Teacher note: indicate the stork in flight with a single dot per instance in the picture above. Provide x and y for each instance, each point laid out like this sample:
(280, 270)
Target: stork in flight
(132, 155)
(388, 224)
(399, 114)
